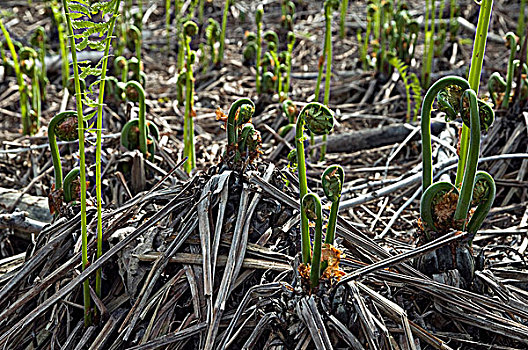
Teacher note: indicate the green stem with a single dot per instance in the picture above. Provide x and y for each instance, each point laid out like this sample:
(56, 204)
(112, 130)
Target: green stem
(332, 182)
(223, 34)
(430, 47)
(82, 165)
(317, 215)
(26, 123)
(68, 184)
(54, 148)
(98, 149)
(188, 127)
(364, 51)
(233, 122)
(311, 110)
(509, 77)
(344, 8)
(466, 192)
(427, 157)
(328, 54)
(35, 99)
(477, 58)
(520, 22)
(260, 12)
(167, 21)
(65, 69)
(484, 206)
(142, 124)
(303, 186)
(320, 71)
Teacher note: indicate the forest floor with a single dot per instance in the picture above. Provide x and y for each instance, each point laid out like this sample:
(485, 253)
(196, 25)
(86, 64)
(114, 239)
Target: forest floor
(161, 228)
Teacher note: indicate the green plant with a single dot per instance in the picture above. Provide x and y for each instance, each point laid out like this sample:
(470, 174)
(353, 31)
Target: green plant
(167, 22)
(410, 82)
(138, 133)
(272, 41)
(291, 43)
(64, 127)
(477, 59)
(76, 14)
(121, 67)
(70, 186)
(437, 207)
(190, 29)
(311, 209)
(212, 35)
(521, 21)
(344, 8)
(290, 112)
(332, 180)
(135, 64)
(329, 7)
(26, 122)
(287, 12)
(258, 20)
(250, 51)
(59, 22)
(239, 113)
(442, 32)
(38, 39)
(430, 13)
(28, 66)
(223, 34)
(511, 42)
(319, 120)
(454, 26)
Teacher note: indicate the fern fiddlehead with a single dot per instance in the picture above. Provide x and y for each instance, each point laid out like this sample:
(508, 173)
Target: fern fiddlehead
(320, 120)
(64, 127)
(239, 113)
(456, 98)
(332, 181)
(137, 133)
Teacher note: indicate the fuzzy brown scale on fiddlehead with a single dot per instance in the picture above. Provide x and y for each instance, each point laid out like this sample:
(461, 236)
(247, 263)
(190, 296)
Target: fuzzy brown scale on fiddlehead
(290, 110)
(250, 142)
(437, 207)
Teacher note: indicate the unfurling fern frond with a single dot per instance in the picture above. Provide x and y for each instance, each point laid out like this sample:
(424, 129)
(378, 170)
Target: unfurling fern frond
(92, 22)
(411, 83)
(416, 88)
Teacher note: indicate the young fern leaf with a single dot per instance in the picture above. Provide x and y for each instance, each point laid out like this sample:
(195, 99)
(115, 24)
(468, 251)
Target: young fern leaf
(97, 37)
(416, 88)
(402, 68)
